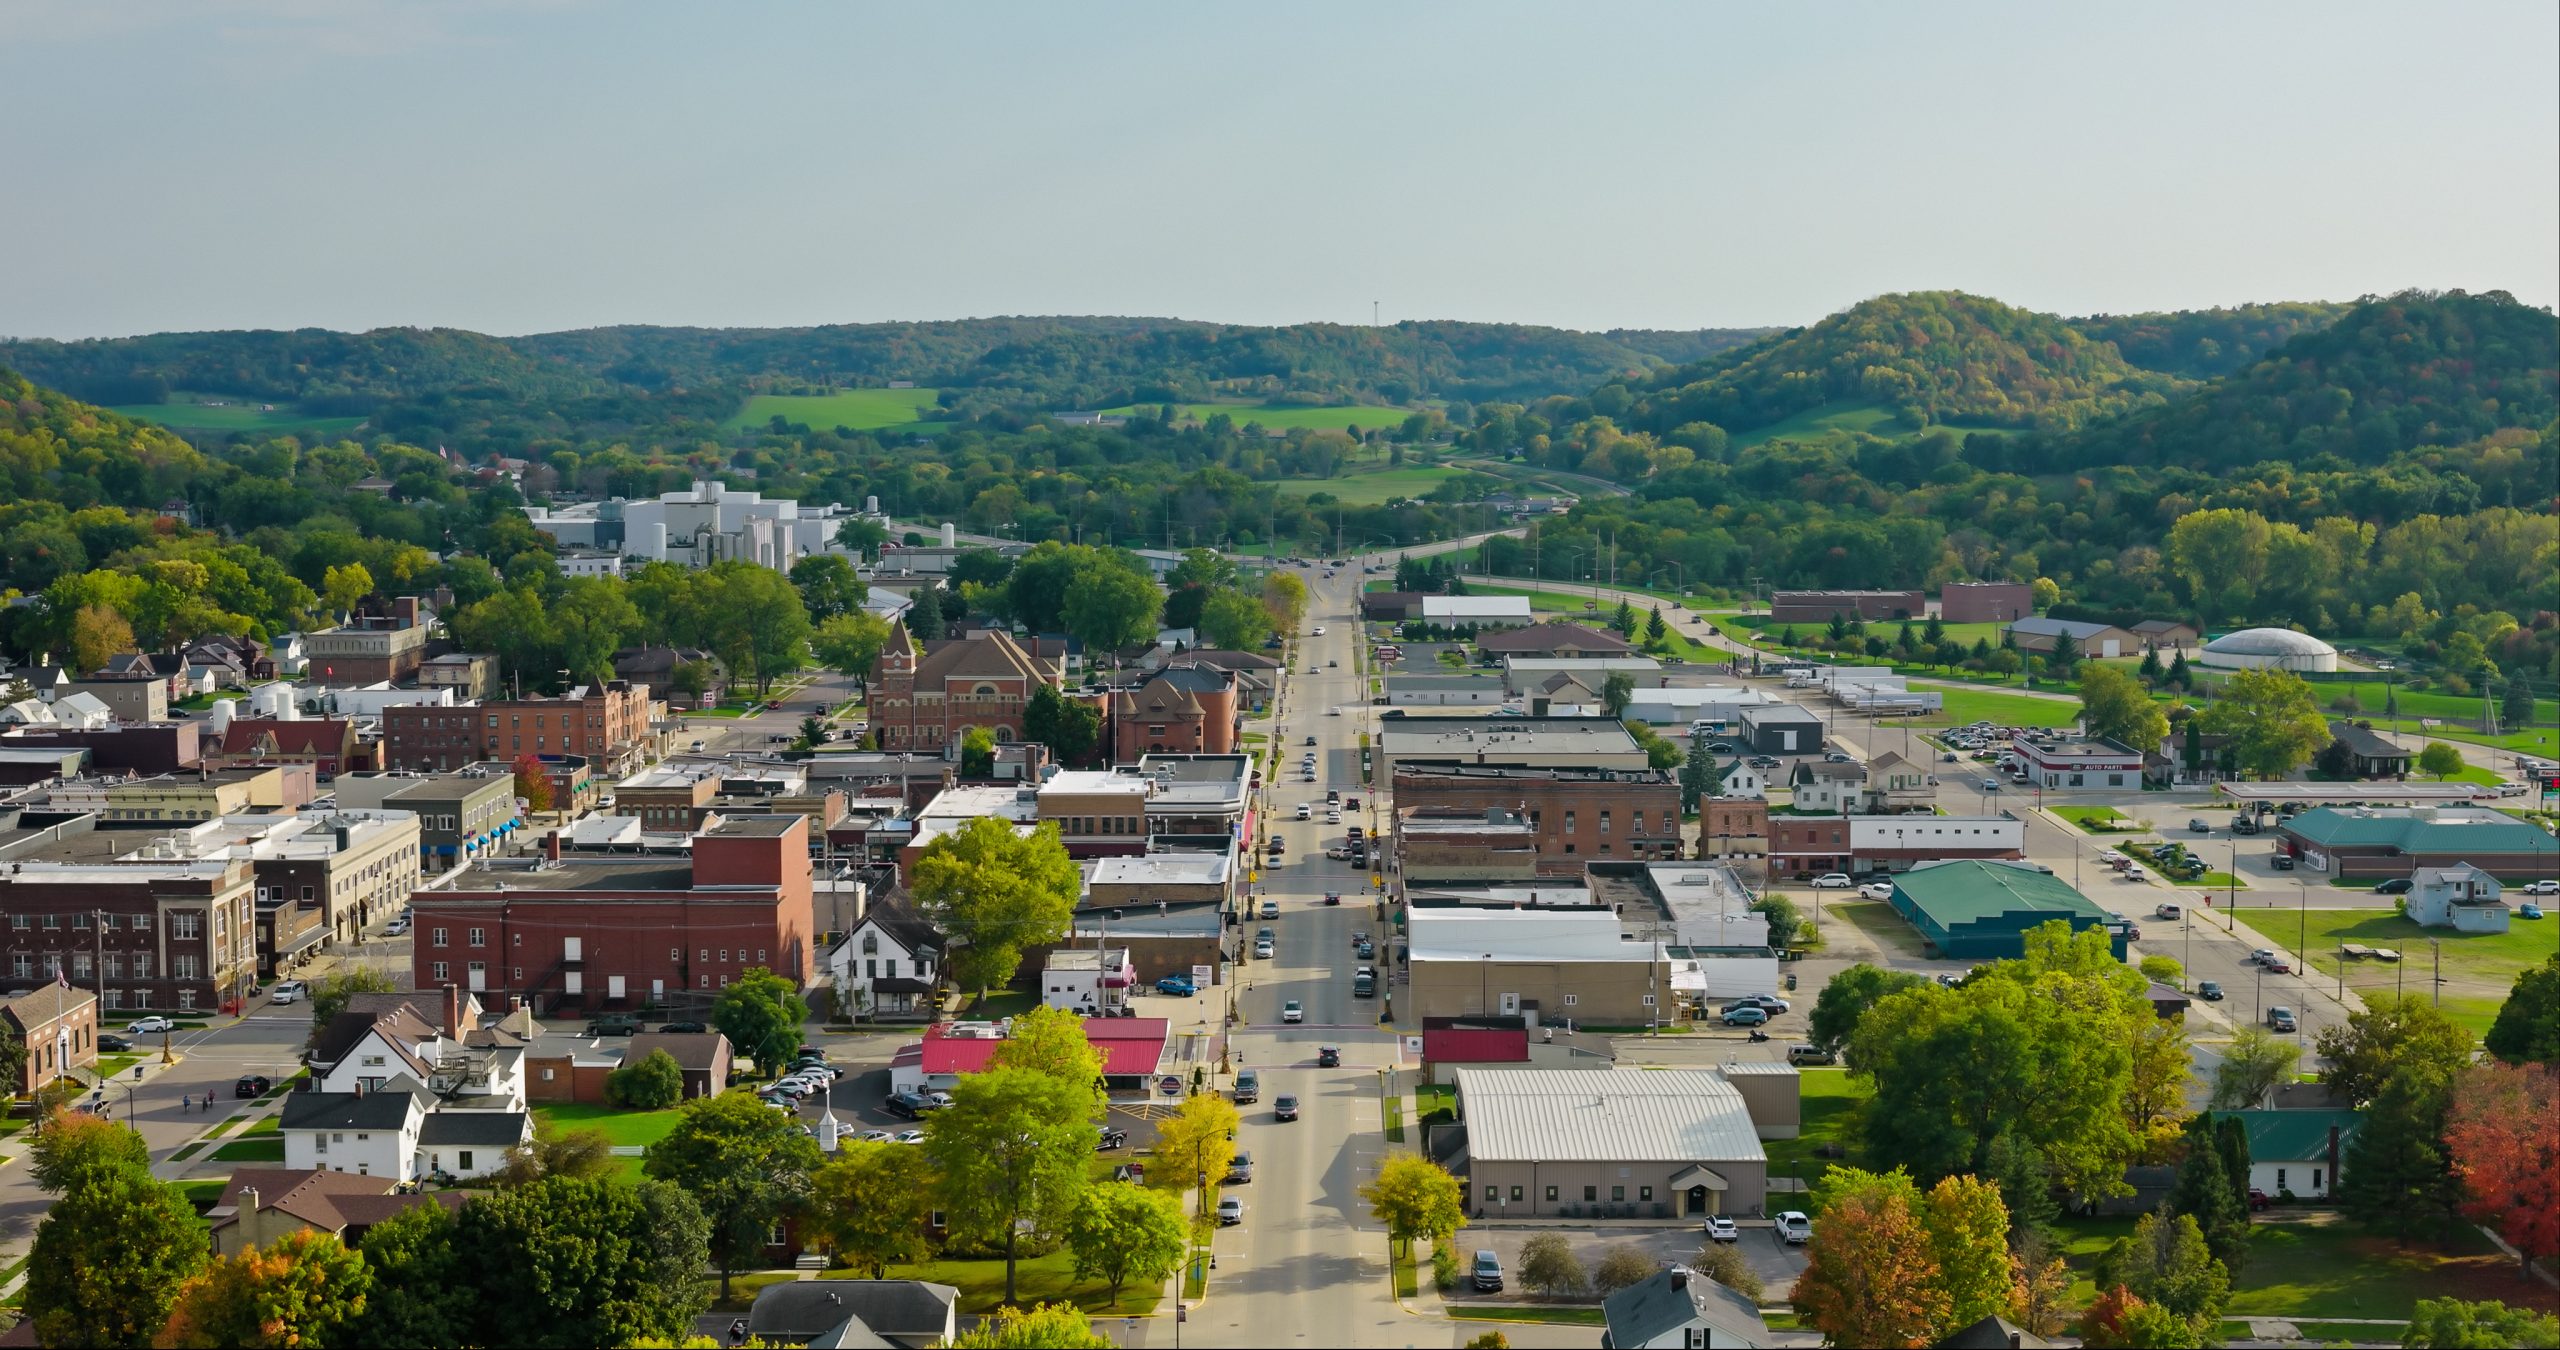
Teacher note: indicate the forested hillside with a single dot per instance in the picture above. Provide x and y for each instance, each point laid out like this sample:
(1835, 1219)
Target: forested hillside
(2200, 344)
(2391, 473)
(1930, 356)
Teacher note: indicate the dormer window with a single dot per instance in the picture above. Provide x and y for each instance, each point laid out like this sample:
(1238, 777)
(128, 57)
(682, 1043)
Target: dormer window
(871, 944)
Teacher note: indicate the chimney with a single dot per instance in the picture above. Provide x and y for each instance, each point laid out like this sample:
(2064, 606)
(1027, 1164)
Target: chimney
(551, 846)
(453, 1011)
(1679, 1277)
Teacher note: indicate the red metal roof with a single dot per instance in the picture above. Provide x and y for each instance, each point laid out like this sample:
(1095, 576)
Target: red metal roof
(1471, 1045)
(1128, 1045)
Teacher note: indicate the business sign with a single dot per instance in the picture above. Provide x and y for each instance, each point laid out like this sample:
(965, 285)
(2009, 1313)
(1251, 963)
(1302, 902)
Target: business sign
(1204, 976)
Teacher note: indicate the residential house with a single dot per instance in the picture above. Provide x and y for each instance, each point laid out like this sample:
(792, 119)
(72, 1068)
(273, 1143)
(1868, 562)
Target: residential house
(1832, 787)
(704, 1056)
(368, 1133)
(1679, 1309)
(1742, 778)
(2461, 897)
(465, 1144)
(885, 966)
(655, 666)
(899, 1313)
(2370, 754)
(262, 1204)
(1993, 1333)
(2297, 1153)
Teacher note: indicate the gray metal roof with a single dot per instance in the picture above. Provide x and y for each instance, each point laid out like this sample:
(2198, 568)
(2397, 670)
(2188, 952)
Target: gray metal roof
(1605, 1115)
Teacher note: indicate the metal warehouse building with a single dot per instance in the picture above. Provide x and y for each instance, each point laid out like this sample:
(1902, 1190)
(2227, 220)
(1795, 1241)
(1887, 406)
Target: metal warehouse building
(1609, 1143)
(1980, 911)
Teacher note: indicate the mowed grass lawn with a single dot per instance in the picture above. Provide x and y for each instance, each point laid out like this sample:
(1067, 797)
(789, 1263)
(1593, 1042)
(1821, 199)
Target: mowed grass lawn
(859, 409)
(2479, 968)
(637, 1129)
(1831, 1103)
(1286, 416)
(1966, 706)
(1037, 1279)
(1370, 489)
(2328, 1269)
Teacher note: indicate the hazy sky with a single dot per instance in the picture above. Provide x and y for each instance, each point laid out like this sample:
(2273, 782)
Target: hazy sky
(523, 167)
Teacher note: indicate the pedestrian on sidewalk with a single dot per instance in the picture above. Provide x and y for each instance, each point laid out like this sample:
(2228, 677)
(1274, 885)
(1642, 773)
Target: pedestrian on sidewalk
(186, 1102)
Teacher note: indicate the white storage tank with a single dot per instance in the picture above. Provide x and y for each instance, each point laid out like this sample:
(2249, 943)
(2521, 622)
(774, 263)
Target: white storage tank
(217, 718)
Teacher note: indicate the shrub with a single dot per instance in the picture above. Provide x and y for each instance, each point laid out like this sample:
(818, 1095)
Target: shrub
(1444, 1266)
(1548, 1265)
(1623, 1266)
(1724, 1263)
(653, 1084)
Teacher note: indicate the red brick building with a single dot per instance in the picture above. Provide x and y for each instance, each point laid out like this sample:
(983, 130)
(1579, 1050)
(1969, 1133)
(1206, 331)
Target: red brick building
(369, 648)
(927, 698)
(618, 932)
(1820, 606)
(1730, 827)
(1191, 710)
(327, 744)
(58, 1027)
(1986, 601)
(168, 935)
(608, 726)
(1577, 816)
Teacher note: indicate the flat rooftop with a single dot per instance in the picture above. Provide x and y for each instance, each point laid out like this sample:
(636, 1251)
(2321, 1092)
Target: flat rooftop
(754, 826)
(1077, 781)
(574, 874)
(1163, 869)
(1466, 737)
(1539, 773)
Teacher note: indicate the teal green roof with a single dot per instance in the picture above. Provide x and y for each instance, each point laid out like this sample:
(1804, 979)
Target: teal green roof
(2454, 830)
(2294, 1136)
(1970, 891)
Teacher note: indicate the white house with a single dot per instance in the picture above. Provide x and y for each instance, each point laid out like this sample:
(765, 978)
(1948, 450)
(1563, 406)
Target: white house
(1741, 779)
(2297, 1152)
(82, 711)
(466, 1144)
(2461, 897)
(371, 1134)
(1678, 1309)
(397, 1051)
(1830, 787)
(885, 966)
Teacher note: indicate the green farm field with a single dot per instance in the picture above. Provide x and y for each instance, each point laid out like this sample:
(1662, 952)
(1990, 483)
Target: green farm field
(189, 412)
(1370, 489)
(860, 409)
(1288, 417)
(1855, 418)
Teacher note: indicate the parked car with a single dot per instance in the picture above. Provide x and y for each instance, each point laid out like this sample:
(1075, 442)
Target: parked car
(150, 1026)
(2198, 825)
(251, 1085)
(1811, 1054)
(2528, 910)
(1833, 881)
(2280, 1018)
(2395, 886)
(2210, 991)
(908, 1105)
(1328, 1056)
(1794, 1228)
(396, 927)
(1875, 890)
(1111, 1139)
(1723, 1229)
(910, 1136)
(1746, 1017)
(290, 991)
(1767, 1003)
(1180, 986)
(2259, 1199)
(687, 1029)
(1285, 1106)
(114, 1044)
(1487, 1273)
(2282, 862)
(1230, 1212)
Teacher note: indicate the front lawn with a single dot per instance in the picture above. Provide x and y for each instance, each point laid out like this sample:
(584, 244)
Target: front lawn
(269, 1149)
(2478, 968)
(1877, 920)
(1037, 1279)
(629, 1129)
(2323, 1267)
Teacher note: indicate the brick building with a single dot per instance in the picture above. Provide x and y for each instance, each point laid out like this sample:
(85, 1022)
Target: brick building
(470, 675)
(1819, 606)
(58, 1027)
(1985, 601)
(327, 744)
(179, 934)
(460, 815)
(924, 699)
(608, 726)
(572, 933)
(1576, 815)
(1190, 710)
(158, 747)
(370, 648)
(1730, 827)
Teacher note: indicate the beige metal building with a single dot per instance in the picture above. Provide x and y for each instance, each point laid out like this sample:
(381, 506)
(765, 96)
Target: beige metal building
(1547, 966)
(1609, 1143)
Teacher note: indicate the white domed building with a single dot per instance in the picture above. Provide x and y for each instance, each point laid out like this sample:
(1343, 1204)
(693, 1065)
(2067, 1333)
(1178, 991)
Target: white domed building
(2270, 648)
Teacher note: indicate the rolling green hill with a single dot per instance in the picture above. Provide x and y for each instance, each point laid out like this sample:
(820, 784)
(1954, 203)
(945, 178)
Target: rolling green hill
(1925, 357)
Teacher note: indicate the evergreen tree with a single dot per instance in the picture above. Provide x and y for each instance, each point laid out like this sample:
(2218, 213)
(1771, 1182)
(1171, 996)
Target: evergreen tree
(2065, 654)
(2026, 1187)
(2396, 1176)
(1934, 631)
(1838, 632)
(1981, 649)
(2180, 674)
(2150, 670)
(2203, 1193)
(1655, 630)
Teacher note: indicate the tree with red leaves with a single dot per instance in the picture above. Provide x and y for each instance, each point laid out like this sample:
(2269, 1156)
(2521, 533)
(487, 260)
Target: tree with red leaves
(2504, 1135)
(532, 783)
(1870, 1276)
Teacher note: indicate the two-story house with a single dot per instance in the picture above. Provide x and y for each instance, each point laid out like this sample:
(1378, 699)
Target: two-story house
(885, 966)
